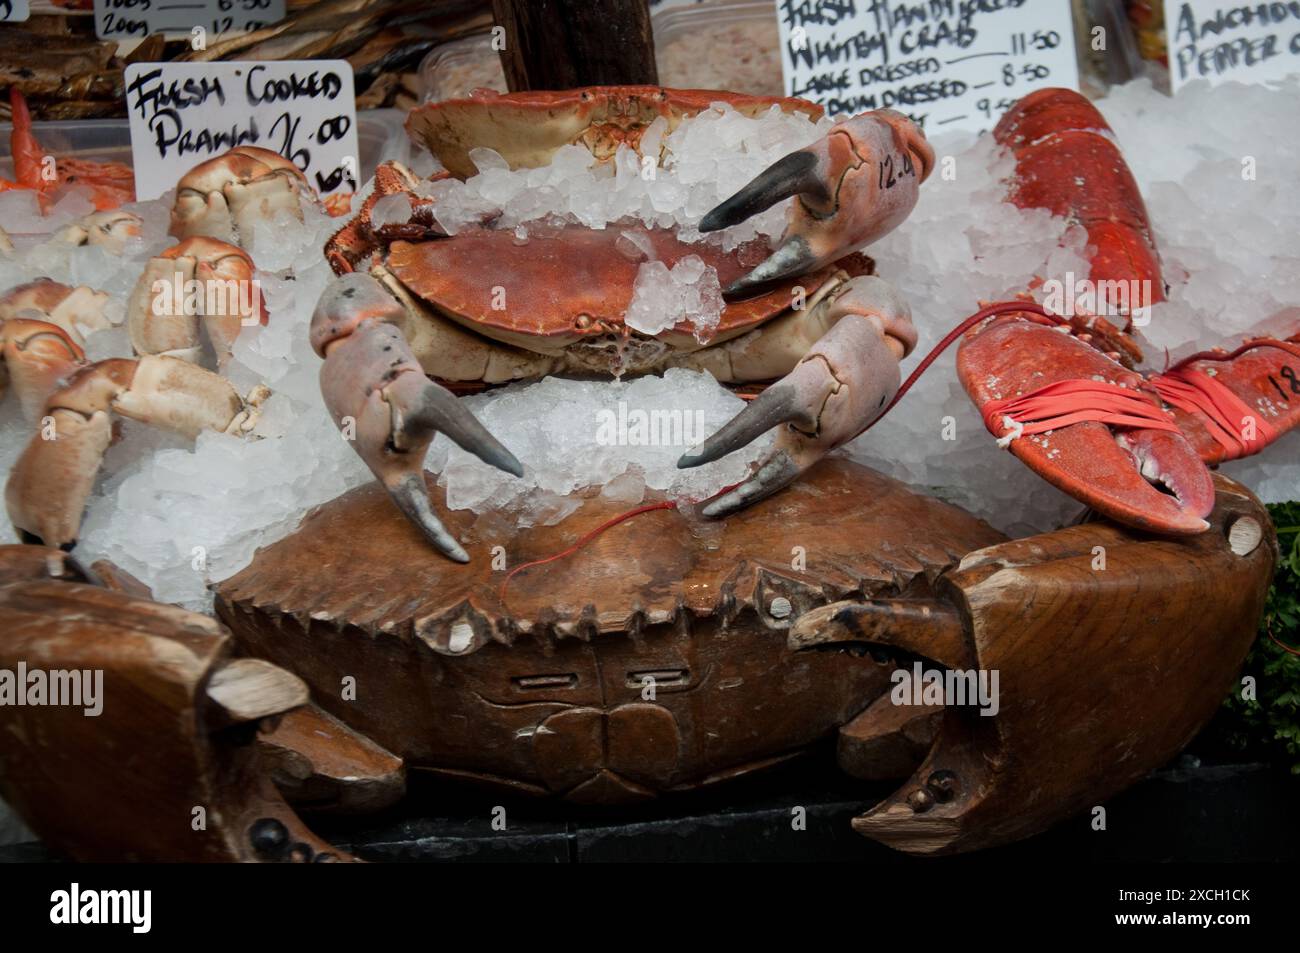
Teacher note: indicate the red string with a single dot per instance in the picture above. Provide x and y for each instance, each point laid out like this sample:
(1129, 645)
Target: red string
(1279, 643)
(1003, 307)
(988, 311)
(585, 539)
(593, 533)
(1229, 355)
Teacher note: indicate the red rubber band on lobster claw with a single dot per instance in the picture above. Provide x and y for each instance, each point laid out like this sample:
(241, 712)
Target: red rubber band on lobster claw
(1227, 418)
(1067, 402)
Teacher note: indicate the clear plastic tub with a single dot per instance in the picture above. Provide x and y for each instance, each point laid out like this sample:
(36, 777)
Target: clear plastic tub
(733, 45)
(456, 69)
(729, 44)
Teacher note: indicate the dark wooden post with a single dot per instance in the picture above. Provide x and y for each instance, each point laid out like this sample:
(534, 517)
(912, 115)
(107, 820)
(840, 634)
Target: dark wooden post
(562, 44)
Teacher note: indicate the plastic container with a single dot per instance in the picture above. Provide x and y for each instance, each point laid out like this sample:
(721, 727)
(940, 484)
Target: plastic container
(733, 45)
(730, 44)
(456, 69)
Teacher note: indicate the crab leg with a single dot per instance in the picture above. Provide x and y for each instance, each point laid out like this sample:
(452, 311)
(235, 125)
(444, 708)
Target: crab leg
(854, 186)
(372, 382)
(358, 239)
(844, 381)
(49, 485)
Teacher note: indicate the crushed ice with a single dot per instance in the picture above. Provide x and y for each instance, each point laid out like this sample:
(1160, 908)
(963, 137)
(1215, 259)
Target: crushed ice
(664, 297)
(704, 160)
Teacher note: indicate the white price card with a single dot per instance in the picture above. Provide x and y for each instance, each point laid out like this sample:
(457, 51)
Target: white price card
(14, 11)
(183, 113)
(120, 19)
(1218, 41)
(950, 64)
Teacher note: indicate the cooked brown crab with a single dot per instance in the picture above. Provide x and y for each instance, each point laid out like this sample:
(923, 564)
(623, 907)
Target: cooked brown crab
(479, 307)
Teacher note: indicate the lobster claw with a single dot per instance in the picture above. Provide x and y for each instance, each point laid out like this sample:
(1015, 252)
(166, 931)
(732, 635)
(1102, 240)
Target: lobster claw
(854, 186)
(1143, 477)
(1253, 398)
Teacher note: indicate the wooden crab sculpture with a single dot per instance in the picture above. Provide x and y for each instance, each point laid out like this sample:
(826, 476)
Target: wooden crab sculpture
(665, 656)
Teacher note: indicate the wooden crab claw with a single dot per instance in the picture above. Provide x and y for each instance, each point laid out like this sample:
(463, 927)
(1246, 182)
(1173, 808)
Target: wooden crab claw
(52, 479)
(1139, 475)
(854, 186)
(843, 383)
(199, 282)
(380, 399)
(1121, 664)
(164, 734)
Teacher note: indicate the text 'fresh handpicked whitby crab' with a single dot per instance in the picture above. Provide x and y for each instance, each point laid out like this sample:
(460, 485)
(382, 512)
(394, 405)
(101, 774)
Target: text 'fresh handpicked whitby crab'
(539, 690)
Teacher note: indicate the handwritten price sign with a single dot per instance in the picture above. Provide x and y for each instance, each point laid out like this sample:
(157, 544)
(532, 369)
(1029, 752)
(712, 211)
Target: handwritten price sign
(115, 19)
(951, 65)
(1219, 42)
(183, 113)
(14, 11)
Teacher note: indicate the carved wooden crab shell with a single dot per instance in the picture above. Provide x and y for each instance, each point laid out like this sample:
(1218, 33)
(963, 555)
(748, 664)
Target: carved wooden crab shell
(760, 637)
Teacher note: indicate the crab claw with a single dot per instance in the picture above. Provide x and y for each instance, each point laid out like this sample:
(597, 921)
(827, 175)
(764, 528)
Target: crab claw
(854, 186)
(67, 307)
(110, 230)
(379, 396)
(37, 355)
(1143, 477)
(841, 385)
(49, 485)
(198, 280)
(224, 196)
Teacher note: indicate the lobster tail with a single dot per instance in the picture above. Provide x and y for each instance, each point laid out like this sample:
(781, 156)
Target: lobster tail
(1068, 162)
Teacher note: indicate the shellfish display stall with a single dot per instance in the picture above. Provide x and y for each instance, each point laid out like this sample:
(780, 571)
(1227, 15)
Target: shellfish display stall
(556, 411)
